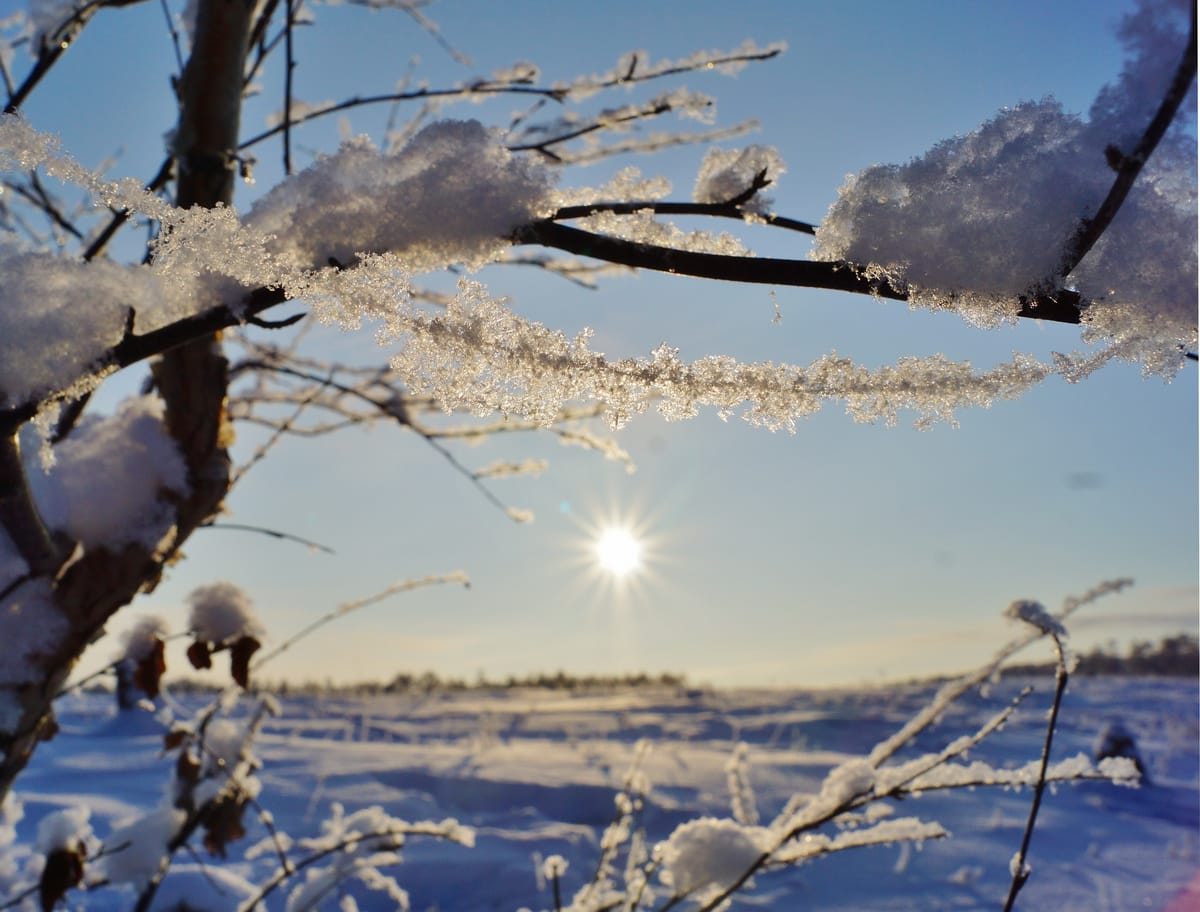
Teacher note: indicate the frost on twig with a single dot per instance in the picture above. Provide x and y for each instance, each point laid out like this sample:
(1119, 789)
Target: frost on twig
(706, 861)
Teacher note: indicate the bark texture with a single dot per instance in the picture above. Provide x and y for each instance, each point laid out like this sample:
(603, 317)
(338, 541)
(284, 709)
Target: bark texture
(88, 588)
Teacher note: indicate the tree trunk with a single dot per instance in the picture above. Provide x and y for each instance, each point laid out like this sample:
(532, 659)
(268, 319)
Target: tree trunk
(192, 380)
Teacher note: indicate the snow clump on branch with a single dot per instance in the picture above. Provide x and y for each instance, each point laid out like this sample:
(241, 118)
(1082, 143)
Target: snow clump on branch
(727, 174)
(141, 467)
(706, 854)
(452, 195)
(221, 612)
(983, 220)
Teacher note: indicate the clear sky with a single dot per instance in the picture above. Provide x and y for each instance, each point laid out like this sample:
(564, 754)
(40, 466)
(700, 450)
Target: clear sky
(842, 553)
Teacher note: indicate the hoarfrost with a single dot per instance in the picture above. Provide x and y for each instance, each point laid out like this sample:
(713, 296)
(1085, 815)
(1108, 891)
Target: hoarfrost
(480, 356)
(141, 467)
(741, 793)
(1119, 770)
(902, 829)
(357, 845)
(553, 867)
(1035, 614)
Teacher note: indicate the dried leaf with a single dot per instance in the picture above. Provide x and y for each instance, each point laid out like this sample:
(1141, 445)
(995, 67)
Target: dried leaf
(149, 670)
(187, 770)
(239, 659)
(63, 870)
(174, 738)
(200, 655)
(223, 824)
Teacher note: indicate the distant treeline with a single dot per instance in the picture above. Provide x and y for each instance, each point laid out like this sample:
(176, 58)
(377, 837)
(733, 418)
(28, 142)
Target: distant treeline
(1174, 656)
(429, 681)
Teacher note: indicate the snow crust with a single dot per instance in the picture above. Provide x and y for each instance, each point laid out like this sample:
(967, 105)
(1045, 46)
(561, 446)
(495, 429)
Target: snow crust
(202, 888)
(113, 478)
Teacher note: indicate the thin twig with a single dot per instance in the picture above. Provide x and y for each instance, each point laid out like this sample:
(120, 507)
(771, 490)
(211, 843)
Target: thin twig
(348, 607)
(660, 207)
(1020, 874)
(174, 35)
(1130, 165)
(288, 69)
(273, 533)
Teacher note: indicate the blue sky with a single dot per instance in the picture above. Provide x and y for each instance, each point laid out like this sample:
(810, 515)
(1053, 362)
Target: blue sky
(842, 553)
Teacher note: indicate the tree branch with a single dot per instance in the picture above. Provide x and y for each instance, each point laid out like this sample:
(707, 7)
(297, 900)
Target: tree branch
(659, 207)
(1062, 307)
(1129, 166)
(57, 44)
(19, 514)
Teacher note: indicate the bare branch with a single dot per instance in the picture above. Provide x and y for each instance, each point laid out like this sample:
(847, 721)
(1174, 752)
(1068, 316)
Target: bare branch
(348, 607)
(19, 514)
(289, 68)
(1062, 307)
(1130, 165)
(659, 207)
(54, 46)
(1020, 874)
(273, 533)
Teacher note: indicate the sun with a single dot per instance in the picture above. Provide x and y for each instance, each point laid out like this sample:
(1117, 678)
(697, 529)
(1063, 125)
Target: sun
(618, 551)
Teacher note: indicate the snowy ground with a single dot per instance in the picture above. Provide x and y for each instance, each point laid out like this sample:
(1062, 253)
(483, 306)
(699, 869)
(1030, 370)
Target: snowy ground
(535, 772)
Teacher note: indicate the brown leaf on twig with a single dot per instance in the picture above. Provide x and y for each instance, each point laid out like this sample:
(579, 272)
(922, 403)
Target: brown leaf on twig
(200, 655)
(63, 870)
(223, 824)
(150, 669)
(239, 659)
(176, 737)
